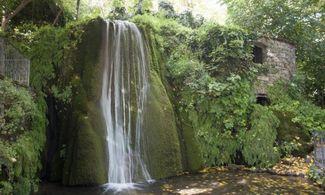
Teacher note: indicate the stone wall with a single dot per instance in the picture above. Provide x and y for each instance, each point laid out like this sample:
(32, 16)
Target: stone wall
(279, 56)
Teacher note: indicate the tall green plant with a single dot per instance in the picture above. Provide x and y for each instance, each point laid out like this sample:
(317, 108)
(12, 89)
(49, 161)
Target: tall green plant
(22, 138)
(286, 98)
(258, 143)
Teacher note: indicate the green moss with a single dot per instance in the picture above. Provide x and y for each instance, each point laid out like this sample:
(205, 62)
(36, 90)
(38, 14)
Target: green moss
(155, 57)
(190, 151)
(82, 146)
(81, 149)
(88, 58)
(86, 164)
(162, 143)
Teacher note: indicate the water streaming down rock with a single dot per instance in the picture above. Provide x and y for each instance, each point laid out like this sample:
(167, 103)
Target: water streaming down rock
(124, 96)
(170, 149)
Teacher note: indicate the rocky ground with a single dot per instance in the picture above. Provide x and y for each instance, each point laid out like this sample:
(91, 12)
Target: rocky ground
(288, 166)
(292, 166)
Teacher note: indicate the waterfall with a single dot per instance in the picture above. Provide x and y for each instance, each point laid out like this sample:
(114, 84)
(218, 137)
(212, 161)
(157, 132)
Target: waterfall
(124, 97)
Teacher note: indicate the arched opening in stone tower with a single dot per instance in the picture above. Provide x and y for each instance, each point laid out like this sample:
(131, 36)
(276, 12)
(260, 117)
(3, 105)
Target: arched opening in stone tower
(263, 100)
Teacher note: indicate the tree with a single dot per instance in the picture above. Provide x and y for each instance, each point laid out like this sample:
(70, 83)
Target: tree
(167, 9)
(78, 8)
(301, 22)
(187, 19)
(143, 6)
(10, 9)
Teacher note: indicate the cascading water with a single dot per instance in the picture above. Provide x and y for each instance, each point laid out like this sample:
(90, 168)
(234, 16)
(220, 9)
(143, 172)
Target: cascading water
(124, 96)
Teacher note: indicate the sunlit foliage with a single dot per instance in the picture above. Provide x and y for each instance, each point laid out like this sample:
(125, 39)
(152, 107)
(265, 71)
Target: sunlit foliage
(301, 22)
(22, 138)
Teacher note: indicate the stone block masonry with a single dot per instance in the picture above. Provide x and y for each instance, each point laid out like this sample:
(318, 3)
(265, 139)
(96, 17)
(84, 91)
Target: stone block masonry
(280, 57)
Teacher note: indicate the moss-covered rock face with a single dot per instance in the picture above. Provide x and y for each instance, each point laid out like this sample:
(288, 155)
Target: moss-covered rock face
(81, 156)
(162, 143)
(190, 151)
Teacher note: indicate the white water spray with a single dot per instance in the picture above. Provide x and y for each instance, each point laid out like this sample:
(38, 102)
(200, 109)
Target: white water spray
(124, 95)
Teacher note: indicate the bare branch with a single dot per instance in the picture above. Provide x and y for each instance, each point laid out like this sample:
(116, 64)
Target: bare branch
(7, 18)
(57, 17)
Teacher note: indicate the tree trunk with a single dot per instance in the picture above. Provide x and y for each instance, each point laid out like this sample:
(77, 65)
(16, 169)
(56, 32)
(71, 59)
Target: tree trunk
(3, 23)
(8, 16)
(78, 8)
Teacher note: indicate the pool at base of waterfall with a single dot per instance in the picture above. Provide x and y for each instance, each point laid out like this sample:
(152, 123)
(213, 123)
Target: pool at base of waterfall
(122, 187)
(221, 182)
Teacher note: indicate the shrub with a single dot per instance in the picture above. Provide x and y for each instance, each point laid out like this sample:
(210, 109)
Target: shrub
(22, 138)
(258, 142)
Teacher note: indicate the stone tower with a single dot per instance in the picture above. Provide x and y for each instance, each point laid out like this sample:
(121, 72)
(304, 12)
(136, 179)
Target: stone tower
(280, 58)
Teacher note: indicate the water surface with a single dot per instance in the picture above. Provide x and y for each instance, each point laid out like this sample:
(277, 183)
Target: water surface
(221, 182)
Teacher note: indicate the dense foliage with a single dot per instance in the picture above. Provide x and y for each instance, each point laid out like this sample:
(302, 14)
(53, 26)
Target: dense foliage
(287, 98)
(258, 142)
(212, 75)
(22, 139)
(208, 67)
(301, 22)
(218, 97)
(23, 131)
(185, 18)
